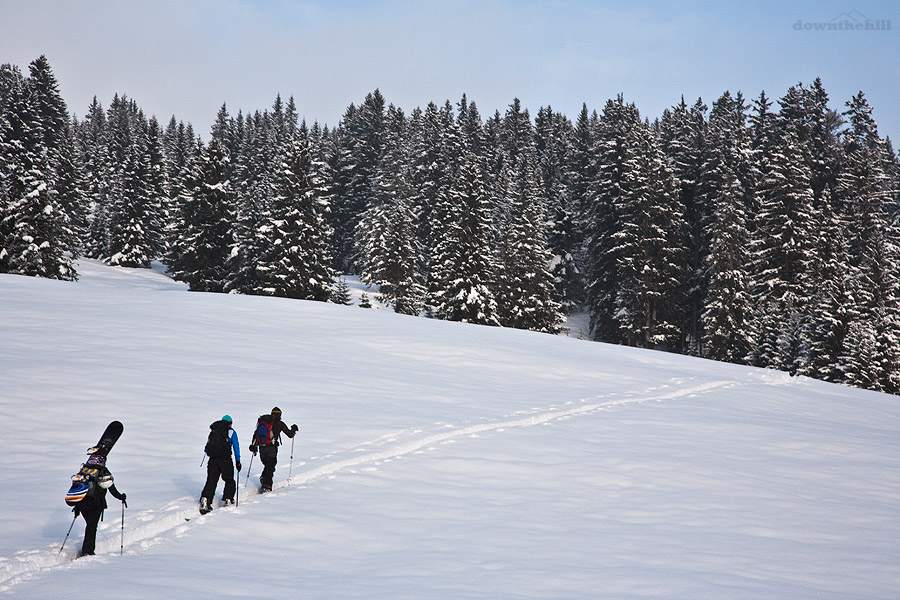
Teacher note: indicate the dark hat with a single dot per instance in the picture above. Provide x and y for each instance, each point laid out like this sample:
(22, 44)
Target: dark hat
(276, 412)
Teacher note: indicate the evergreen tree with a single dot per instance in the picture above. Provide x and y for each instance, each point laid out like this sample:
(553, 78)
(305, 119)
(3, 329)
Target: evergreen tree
(38, 236)
(834, 309)
(133, 222)
(636, 237)
(386, 235)
(727, 305)
(554, 135)
(783, 245)
(93, 146)
(653, 251)
(205, 237)
(683, 139)
(859, 362)
(226, 132)
(341, 294)
(253, 176)
(432, 172)
(763, 144)
(791, 352)
(130, 227)
(614, 163)
(722, 190)
(866, 193)
(158, 188)
(361, 151)
(525, 284)
(59, 140)
(464, 265)
(582, 164)
(295, 262)
(180, 149)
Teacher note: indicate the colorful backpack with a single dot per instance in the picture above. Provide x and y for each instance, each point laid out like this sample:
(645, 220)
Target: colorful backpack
(83, 482)
(263, 435)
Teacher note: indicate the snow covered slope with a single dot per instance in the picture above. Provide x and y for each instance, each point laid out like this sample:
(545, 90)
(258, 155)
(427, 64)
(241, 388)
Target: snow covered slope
(434, 460)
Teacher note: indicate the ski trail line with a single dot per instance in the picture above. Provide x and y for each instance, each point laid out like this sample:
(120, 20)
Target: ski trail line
(175, 516)
(415, 445)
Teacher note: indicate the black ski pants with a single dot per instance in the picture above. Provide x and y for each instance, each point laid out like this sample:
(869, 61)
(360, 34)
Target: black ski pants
(92, 516)
(268, 455)
(215, 468)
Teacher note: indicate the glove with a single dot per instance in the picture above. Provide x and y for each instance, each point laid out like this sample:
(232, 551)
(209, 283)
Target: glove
(76, 511)
(123, 500)
(253, 449)
(238, 465)
(294, 428)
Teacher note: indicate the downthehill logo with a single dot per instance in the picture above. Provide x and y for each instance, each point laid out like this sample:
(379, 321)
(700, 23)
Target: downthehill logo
(846, 21)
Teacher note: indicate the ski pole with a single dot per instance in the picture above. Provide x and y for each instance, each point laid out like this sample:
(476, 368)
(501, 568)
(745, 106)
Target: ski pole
(252, 454)
(67, 534)
(122, 543)
(203, 460)
(237, 491)
(291, 469)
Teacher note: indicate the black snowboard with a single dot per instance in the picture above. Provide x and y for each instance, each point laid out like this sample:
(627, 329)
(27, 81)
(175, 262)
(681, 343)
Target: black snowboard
(107, 440)
(84, 479)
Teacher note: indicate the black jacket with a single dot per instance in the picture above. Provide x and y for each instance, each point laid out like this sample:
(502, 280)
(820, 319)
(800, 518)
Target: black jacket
(96, 499)
(279, 427)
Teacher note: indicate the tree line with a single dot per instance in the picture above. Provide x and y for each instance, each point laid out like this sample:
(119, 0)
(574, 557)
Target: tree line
(743, 232)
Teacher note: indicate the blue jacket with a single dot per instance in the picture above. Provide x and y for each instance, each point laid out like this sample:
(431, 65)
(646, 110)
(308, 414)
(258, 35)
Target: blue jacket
(234, 444)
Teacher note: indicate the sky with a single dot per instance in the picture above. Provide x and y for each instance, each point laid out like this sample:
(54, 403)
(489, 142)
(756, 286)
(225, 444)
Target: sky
(188, 58)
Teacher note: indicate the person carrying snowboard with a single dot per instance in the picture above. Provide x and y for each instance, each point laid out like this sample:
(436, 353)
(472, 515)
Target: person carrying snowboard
(93, 505)
(266, 439)
(222, 440)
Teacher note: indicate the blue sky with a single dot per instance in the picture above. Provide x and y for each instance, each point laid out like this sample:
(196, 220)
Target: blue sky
(187, 57)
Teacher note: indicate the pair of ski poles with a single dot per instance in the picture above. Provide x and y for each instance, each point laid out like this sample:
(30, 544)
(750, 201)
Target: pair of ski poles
(122, 540)
(290, 470)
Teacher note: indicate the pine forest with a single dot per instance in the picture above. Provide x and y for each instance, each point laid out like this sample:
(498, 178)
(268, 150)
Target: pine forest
(752, 231)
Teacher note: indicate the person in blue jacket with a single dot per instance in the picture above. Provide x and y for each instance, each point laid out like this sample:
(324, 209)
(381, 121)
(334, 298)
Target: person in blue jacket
(219, 446)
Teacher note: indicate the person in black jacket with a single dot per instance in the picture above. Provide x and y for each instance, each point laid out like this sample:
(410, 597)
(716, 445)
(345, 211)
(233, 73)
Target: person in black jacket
(268, 449)
(221, 443)
(92, 507)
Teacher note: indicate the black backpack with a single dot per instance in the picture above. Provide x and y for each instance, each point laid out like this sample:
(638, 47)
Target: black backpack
(218, 444)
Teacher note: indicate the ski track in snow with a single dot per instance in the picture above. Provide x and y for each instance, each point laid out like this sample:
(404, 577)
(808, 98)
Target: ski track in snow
(151, 527)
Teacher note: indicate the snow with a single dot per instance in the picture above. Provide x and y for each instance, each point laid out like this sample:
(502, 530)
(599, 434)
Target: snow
(434, 459)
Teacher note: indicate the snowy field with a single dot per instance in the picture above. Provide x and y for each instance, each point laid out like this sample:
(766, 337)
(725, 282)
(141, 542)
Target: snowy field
(434, 460)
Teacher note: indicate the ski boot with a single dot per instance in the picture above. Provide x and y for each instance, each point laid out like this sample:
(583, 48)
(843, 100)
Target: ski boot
(204, 506)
